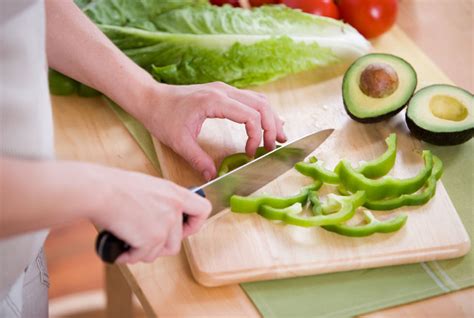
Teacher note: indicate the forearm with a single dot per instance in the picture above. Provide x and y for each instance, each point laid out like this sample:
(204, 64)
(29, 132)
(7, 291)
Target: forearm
(77, 48)
(41, 194)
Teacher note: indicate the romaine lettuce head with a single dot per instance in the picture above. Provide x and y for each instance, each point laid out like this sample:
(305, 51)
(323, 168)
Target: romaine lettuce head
(183, 43)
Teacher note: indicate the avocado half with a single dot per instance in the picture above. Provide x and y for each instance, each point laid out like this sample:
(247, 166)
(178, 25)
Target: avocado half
(441, 115)
(377, 86)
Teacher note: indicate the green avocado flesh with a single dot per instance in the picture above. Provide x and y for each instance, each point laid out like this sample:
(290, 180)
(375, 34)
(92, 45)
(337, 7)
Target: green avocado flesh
(441, 115)
(377, 86)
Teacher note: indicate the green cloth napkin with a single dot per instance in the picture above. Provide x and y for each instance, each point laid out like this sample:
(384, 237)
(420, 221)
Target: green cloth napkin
(352, 293)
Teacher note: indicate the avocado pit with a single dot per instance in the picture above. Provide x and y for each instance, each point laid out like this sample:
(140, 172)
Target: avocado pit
(447, 108)
(378, 80)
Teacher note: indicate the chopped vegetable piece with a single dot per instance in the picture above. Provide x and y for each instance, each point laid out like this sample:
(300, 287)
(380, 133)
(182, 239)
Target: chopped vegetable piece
(241, 204)
(387, 186)
(272, 213)
(60, 84)
(414, 198)
(236, 160)
(371, 226)
(316, 171)
(348, 206)
(382, 165)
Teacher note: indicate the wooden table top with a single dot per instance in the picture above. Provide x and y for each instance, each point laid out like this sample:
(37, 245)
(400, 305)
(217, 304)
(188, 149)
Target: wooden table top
(441, 28)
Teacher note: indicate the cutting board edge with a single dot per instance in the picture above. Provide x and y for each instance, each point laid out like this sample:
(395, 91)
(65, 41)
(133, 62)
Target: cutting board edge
(215, 279)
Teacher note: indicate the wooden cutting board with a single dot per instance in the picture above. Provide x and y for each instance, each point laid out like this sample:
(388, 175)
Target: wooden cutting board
(233, 248)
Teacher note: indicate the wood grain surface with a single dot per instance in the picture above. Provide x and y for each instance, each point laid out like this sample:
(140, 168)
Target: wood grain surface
(86, 130)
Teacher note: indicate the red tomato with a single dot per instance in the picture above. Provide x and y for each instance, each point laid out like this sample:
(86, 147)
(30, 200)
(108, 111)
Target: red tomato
(234, 3)
(258, 3)
(326, 8)
(369, 17)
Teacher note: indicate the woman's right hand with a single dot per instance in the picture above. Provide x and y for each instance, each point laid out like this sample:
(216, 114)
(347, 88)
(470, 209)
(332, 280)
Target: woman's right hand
(146, 212)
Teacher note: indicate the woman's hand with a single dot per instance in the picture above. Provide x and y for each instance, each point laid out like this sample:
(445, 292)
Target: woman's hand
(175, 115)
(142, 210)
(147, 213)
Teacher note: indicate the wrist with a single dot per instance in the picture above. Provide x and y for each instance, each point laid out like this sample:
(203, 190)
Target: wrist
(141, 96)
(89, 192)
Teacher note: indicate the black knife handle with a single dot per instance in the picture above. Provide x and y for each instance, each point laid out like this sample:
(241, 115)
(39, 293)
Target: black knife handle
(109, 247)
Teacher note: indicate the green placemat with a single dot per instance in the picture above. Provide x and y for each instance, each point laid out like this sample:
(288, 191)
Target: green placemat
(348, 294)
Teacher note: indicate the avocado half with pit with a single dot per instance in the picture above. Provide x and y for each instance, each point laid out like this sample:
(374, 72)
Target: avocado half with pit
(441, 115)
(377, 86)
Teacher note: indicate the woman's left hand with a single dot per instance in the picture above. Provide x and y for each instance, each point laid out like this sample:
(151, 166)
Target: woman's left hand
(175, 115)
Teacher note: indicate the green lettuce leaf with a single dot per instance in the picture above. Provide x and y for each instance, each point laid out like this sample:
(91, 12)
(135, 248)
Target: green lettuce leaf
(183, 43)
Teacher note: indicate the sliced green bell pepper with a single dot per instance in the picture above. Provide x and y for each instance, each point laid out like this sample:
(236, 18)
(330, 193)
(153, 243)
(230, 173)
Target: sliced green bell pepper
(87, 91)
(272, 213)
(236, 160)
(60, 84)
(372, 169)
(382, 165)
(412, 199)
(232, 162)
(348, 206)
(316, 171)
(242, 204)
(387, 186)
(371, 226)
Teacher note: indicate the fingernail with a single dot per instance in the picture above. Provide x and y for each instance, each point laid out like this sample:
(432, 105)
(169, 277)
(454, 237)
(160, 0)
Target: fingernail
(207, 175)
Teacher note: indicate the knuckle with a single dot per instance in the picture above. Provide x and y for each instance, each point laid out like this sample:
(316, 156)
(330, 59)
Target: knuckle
(149, 259)
(158, 237)
(255, 116)
(219, 85)
(169, 218)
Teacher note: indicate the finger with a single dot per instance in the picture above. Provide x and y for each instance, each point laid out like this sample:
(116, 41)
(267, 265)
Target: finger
(134, 255)
(281, 136)
(239, 113)
(173, 243)
(192, 152)
(196, 207)
(154, 253)
(260, 103)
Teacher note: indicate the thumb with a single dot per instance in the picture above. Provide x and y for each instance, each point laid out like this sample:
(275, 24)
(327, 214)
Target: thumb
(190, 150)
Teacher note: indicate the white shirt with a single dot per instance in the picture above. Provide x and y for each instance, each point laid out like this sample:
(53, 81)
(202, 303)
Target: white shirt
(26, 128)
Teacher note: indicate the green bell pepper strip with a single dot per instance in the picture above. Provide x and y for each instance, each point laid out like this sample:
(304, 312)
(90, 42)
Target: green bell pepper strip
(243, 204)
(60, 84)
(387, 186)
(236, 160)
(347, 210)
(418, 198)
(232, 162)
(372, 169)
(87, 91)
(382, 165)
(279, 214)
(371, 226)
(317, 172)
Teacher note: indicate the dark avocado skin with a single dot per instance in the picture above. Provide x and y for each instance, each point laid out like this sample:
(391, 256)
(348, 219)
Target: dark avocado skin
(439, 138)
(369, 120)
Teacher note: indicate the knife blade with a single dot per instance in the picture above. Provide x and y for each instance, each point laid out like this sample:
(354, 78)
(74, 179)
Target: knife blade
(242, 181)
(257, 173)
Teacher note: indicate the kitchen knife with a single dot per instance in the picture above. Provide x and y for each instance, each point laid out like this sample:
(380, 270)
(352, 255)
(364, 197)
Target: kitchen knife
(242, 181)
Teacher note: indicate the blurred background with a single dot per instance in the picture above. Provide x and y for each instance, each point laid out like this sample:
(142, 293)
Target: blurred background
(443, 29)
